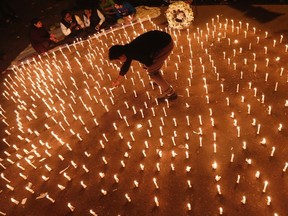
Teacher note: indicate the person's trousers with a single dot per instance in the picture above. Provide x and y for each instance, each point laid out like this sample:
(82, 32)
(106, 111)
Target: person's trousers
(158, 61)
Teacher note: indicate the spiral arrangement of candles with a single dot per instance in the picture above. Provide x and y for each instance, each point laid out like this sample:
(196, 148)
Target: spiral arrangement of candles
(74, 144)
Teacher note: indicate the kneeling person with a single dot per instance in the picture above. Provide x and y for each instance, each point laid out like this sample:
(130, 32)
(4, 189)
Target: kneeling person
(151, 49)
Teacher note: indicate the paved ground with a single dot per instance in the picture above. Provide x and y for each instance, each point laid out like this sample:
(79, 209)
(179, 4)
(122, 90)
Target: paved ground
(14, 36)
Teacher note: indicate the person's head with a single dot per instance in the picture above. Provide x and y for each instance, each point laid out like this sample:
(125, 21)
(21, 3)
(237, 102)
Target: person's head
(87, 12)
(66, 15)
(37, 22)
(118, 4)
(117, 52)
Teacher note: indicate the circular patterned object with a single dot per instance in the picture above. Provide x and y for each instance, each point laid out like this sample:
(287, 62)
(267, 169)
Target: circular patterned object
(179, 15)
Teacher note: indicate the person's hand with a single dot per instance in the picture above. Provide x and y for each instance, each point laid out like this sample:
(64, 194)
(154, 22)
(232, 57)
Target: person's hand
(97, 27)
(72, 25)
(129, 18)
(116, 83)
(53, 38)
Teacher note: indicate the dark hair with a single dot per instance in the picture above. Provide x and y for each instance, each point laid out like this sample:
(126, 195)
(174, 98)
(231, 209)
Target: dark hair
(35, 20)
(116, 51)
(64, 12)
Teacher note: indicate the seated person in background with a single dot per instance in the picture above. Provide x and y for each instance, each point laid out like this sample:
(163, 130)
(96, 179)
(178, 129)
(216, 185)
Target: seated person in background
(125, 12)
(107, 6)
(94, 20)
(72, 26)
(41, 40)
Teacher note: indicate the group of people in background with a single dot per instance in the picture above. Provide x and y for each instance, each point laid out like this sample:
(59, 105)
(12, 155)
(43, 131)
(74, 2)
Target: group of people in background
(96, 17)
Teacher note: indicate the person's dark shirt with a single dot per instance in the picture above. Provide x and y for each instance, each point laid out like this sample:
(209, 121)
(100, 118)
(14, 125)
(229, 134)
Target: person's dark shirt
(38, 35)
(144, 48)
(94, 18)
(68, 24)
(126, 10)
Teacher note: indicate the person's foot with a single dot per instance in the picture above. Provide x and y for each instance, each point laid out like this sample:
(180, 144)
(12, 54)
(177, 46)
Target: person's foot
(169, 95)
(153, 84)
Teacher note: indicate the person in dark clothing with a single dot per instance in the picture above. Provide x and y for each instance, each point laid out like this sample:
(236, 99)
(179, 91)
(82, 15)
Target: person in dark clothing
(72, 26)
(41, 40)
(124, 11)
(108, 9)
(94, 20)
(151, 49)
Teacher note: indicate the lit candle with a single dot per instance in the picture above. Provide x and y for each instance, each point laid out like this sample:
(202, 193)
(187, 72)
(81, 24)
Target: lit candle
(219, 189)
(285, 167)
(238, 179)
(14, 201)
(214, 165)
(116, 178)
(72, 208)
(189, 206)
(156, 201)
(243, 201)
(257, 175)
(273, 151)
(232, 158)
(265, 186)
(268, 200)
(249, 109)
(258, 128)
(220, 210)
(128, 198)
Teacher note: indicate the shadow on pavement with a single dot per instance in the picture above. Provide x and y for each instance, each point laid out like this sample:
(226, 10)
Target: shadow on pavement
(256, 12)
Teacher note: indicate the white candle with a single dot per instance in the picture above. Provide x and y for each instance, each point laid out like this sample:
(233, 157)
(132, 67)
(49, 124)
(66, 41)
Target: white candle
(14, 201)
(265, 186)
(188, 121)
(238, 179)
(156, 201)
(257, 175)
(280, 127)
(243, 201)
(258, 128)
(128, 198)
(232, 158)
(72, 208)
(285, 167)
(116, 178)
(249, 109)
(214, 165)
(273, 151)
(220, 210)
(92, 212)
(136, 183)
(125, 119)
(155, 183)
(268, 200)
(219, 189)
(200, 119)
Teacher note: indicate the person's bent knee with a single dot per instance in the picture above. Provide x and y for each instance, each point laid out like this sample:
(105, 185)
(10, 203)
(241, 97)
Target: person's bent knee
(154, 73)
